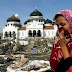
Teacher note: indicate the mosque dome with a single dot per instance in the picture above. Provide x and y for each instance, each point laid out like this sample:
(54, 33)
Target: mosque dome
(36, 13)
(13, 18)
(48, 21)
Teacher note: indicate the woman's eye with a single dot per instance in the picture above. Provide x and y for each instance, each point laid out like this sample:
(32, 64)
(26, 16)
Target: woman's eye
(62, 24)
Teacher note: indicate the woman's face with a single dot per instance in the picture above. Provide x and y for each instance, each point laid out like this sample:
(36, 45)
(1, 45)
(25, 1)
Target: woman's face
(62, 22)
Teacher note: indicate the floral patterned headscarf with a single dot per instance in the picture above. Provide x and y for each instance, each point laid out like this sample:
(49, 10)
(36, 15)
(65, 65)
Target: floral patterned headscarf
(68, 15)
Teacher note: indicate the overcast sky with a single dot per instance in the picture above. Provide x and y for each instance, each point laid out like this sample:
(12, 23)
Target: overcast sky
(24, 7)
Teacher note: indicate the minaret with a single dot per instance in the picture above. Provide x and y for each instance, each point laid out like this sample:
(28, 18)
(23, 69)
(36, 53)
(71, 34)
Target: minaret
(11, 28)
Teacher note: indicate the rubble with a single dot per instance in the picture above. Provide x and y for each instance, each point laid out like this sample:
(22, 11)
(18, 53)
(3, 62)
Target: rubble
(38, 51)
(31, 66)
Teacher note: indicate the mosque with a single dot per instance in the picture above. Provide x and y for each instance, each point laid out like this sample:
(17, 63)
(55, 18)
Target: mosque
(35, 26)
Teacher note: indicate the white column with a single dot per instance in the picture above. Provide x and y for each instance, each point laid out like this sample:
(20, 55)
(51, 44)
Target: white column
(41, 33)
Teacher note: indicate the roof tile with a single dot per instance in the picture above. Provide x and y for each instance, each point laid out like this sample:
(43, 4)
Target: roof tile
(22, 28)
(48, 27)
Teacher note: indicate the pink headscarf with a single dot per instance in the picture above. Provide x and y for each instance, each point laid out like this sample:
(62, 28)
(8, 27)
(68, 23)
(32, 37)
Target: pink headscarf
(68, 15)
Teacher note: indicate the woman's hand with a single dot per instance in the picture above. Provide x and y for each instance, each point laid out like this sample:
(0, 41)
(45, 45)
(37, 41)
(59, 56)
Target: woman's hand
(62, 39)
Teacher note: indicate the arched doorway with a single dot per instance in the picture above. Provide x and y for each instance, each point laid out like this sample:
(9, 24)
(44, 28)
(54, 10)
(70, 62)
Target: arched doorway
(14, 35)
(39, 33)
(6, 34)
(34, 33)
(29, 33)
(9, 34)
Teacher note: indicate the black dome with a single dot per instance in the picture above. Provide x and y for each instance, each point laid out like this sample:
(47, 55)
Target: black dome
(36, 13)
(48, 21)
(13, 18)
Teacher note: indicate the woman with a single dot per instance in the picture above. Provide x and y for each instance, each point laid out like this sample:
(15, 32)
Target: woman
(61, 56)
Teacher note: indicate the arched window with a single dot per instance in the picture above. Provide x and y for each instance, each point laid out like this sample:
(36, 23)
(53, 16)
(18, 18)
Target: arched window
(39, 20)
(6, 34)
(11, 24)
(34, 33)
(30, 33)
(39, 33)
(14, 34)
(9, 34)
(8, 24)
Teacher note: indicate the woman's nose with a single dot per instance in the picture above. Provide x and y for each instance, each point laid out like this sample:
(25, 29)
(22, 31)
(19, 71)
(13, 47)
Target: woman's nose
(60, 26)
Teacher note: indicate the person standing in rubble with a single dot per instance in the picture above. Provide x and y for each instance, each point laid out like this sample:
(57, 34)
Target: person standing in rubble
(61, 56)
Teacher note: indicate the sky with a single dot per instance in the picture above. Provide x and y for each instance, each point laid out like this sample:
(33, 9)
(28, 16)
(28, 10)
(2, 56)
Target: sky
(25, 7)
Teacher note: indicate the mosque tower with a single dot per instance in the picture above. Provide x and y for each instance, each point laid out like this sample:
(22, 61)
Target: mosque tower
(10, 30)
(34, 25)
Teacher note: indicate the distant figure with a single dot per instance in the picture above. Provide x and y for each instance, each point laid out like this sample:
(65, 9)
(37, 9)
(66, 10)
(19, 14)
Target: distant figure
(61, 56)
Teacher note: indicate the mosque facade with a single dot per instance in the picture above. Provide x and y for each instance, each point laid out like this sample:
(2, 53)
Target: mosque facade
(35, 26)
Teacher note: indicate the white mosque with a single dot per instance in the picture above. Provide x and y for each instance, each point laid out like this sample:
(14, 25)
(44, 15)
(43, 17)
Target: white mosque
(35, 26)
